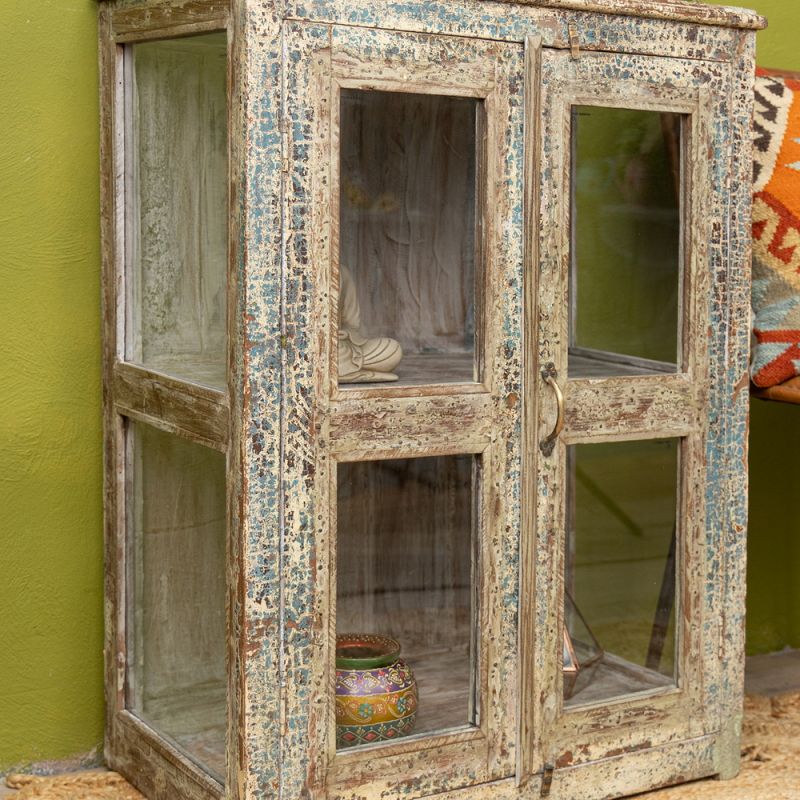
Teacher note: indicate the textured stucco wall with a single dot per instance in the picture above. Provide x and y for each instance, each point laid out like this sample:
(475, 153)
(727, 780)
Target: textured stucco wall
(773, 574)
(51, 700)
(50, 441)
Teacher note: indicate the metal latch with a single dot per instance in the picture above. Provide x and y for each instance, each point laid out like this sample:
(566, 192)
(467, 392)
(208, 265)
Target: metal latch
(547, 779)
(574, 43)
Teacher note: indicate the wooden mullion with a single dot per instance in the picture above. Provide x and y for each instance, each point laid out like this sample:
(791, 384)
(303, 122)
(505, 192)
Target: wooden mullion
(528, 755)
(416, 423)
(448, 761)
(630, 407)
(196, 412)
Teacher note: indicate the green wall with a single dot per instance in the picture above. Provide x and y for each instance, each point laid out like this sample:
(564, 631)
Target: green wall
(51, 700)
(51, 584)
(773, 574)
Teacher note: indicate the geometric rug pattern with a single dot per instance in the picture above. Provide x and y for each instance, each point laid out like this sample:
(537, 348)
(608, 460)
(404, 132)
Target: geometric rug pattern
(776, 230)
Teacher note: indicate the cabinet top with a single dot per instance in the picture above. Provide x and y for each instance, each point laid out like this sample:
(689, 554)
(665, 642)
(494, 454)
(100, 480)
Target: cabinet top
(676, 10)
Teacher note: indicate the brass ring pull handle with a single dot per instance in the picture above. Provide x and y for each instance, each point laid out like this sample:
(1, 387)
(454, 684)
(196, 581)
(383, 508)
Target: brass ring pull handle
(549, 375)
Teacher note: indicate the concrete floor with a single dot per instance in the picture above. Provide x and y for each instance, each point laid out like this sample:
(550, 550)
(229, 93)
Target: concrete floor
(769, 675)
(775, 673)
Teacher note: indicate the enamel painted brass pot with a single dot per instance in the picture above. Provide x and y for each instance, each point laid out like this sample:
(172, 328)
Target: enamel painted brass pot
(376, 694)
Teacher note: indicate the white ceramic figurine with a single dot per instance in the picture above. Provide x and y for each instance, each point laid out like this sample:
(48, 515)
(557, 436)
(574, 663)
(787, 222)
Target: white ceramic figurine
(361, 359)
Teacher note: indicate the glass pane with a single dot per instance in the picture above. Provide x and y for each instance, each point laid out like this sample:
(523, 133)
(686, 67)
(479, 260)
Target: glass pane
(625, 277)
(405, 573)
(619, 606)
(176, 197)
(407, 256)
(177, 525)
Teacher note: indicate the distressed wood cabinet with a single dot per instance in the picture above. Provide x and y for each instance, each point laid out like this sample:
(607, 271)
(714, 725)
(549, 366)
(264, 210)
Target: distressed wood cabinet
(426, 320)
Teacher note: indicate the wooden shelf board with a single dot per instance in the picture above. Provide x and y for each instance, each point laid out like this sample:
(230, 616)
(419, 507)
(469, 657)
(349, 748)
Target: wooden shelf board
(614, 678)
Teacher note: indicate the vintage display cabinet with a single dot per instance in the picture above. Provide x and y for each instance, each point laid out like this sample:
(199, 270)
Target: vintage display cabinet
(425, 375)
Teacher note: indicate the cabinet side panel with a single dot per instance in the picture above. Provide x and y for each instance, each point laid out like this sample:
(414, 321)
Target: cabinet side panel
(737, 396)
(304, 459)
(114, 636)
(256, 757)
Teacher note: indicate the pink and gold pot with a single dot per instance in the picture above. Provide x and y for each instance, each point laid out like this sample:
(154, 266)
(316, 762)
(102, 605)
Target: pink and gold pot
(376, 693)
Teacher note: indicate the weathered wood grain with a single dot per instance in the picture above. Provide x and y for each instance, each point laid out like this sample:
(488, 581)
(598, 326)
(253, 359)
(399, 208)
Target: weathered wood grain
(415, 424)
(167, 19)
(259, 514)
(196, 412)
(156, 767)
(236, 749)
(734, 540)
(508, 21)
(598, 410)
(675, 10)
(114, 585)
(285, 424)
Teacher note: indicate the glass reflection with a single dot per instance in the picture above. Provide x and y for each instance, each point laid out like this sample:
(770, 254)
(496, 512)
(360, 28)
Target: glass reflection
(405, 560)
(621, 567)
(408, 260)
(625, 277)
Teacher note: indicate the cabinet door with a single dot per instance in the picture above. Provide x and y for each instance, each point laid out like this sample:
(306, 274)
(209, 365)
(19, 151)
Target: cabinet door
(404, 196)
(624, 536)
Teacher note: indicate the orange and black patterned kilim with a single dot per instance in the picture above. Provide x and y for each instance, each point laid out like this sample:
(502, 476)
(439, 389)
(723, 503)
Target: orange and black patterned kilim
(776, 230)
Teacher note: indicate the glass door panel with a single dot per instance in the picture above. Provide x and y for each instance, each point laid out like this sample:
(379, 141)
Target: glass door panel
(176, 603)
(406, 549)
(620, 575)
(408, 261)
(176, 205)
(626, 263)
(618, 541)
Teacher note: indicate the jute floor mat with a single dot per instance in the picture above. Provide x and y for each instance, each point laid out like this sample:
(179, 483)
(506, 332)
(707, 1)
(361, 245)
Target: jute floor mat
(770, 766)
(770, 757)
(92, 785)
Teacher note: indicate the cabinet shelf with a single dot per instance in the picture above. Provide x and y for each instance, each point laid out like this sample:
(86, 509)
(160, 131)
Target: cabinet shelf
(586, 363)
(423, 369)
(614, 677)
(194, 718)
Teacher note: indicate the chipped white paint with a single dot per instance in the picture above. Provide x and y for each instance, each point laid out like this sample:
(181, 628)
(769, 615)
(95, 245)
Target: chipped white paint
(285, 423)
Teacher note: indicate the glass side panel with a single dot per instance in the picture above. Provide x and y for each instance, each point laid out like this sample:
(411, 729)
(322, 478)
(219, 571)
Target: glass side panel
(619, 606)
(176, 207)
(405, 561)
(625, 275)
(408, 260)
(176, 612)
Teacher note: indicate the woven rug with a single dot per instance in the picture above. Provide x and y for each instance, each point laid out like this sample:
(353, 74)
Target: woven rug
(776, 230)
(93, 785)
(770, 766)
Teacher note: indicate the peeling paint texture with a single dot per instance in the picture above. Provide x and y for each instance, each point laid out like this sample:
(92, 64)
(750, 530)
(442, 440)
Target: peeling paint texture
(287, 424)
